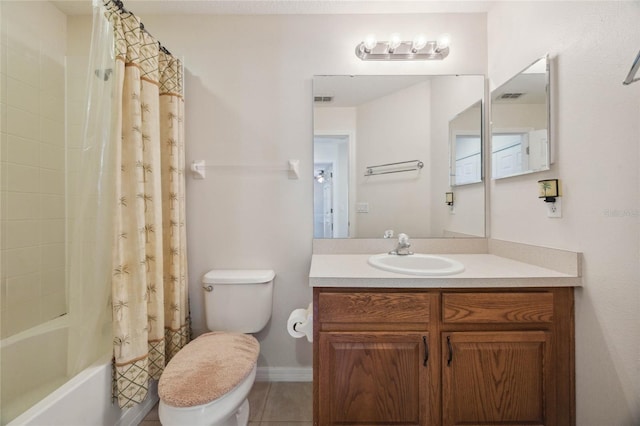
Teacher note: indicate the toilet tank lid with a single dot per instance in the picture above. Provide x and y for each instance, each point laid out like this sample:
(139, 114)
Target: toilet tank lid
(238, 276)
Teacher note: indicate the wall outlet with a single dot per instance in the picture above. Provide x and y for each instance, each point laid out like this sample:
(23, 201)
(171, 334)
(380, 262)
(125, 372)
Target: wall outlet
(554, 209)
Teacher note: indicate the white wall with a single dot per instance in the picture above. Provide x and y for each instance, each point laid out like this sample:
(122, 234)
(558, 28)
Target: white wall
(248, 101)
(597, 136)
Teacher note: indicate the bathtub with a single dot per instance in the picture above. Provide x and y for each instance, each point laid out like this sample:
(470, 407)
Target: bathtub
(83, 400)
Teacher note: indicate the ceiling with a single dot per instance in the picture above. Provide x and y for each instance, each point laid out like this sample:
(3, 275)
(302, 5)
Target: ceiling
(287, 7)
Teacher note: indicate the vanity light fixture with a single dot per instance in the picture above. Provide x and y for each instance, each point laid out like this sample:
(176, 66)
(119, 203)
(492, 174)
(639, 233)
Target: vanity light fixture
(420, 48)
(548, 189)
(449, 198)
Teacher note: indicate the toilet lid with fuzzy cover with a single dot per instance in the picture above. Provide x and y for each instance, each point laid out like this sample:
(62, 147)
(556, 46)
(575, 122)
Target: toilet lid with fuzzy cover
(207, 368)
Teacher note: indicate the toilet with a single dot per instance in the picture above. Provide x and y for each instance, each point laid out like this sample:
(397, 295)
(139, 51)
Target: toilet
(207, 382)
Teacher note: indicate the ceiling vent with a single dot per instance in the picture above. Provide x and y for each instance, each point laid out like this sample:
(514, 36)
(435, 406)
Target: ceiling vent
(511, 95)
(323, 98)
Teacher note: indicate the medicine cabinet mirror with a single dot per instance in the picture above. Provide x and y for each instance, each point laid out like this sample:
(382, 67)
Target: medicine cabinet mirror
(382, 156)
(520, 123)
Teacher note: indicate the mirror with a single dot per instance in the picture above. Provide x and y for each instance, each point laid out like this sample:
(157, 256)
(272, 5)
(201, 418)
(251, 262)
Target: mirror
(520, 136)
(465, 145)
(382, 156)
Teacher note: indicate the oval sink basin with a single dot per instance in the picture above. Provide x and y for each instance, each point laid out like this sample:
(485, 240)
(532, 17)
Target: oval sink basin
(416, 264)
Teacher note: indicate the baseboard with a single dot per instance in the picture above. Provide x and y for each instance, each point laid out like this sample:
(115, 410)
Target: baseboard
(284, 374)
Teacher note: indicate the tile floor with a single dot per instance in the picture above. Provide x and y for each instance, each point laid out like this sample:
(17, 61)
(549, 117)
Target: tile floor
(272, 404)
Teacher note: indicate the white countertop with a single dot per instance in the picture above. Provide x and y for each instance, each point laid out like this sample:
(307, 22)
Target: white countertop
(481, 270)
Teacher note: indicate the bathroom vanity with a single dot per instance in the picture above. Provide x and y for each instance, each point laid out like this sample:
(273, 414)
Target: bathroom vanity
(491, 345)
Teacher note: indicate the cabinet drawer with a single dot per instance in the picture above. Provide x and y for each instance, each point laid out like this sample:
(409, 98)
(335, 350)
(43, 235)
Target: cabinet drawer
(374, 307)
(460, 308)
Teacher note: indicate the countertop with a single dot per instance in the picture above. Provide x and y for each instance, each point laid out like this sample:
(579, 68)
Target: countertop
(481, 270)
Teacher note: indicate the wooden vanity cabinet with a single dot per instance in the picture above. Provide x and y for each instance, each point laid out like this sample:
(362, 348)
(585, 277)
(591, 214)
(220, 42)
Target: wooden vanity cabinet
(443, 357)
(373, 360)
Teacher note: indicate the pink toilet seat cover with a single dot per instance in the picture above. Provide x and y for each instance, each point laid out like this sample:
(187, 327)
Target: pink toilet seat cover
(208, 368)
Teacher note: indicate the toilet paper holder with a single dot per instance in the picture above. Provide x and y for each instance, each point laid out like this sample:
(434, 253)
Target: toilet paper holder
(300, 323)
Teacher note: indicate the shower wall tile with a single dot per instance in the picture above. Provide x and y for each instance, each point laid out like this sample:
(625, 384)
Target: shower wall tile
(52, 231)
(23, 96)
(52, 72)
(22, 123)
(53, 288)
(52, 131)
(24, 65)
(54, 305)
(23, 178)
(52, 182)
(4, 322)
(75, 112)
(22, 261)
(22, 233)
(4, 197)
(52, 256)
(50, 107)
(77, 90)
(3, 295)
(51, 157)
(3, 88)
(52, 207)
(53, 280)
(3, 235)
(3, 31)
(3, 117)
(22, 206)
(4, 148)
(32, 175)
(23, 288)
(23, 151)
(3, 268)
(74, 136)
(22, 316)
(73, 157)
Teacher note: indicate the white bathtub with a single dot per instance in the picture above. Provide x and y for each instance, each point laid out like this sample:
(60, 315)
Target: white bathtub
(82, 400)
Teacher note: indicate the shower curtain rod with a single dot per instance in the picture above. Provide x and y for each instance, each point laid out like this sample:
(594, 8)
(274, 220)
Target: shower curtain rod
(120, 6)
(632, 73)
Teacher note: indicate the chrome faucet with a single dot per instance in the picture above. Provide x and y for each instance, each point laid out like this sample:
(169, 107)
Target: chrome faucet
(403, 246)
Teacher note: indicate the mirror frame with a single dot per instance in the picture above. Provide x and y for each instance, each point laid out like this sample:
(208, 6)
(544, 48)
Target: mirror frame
(548, 114)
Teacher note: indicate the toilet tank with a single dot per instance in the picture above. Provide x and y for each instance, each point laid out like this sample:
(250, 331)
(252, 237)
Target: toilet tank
(238, 300)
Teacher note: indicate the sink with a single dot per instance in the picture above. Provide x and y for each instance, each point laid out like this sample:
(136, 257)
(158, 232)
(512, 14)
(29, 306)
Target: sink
(416, 264)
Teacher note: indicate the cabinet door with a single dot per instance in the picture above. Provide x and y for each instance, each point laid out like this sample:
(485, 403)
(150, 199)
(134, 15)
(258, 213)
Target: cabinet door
(496, 378)
(373, 378)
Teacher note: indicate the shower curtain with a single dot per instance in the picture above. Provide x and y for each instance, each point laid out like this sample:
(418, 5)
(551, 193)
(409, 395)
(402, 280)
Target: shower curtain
(149, 264)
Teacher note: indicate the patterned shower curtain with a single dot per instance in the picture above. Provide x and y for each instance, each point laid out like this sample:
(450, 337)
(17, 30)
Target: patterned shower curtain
(149, 283)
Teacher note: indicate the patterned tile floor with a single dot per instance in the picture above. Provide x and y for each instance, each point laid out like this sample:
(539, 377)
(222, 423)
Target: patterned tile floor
(272, 404)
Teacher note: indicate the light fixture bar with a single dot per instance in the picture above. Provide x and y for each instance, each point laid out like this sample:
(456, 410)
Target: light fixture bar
(405, 51)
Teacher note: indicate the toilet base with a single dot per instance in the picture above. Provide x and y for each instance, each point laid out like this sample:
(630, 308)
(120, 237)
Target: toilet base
(241, 417)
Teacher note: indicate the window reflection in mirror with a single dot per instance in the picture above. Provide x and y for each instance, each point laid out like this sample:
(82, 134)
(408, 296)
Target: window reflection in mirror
(520, 123)
(382, 119)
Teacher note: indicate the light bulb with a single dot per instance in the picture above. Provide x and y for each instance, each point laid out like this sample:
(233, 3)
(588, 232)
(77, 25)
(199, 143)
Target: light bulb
(394, 41)
(419, 42)
(370, 42)
(443, 41)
